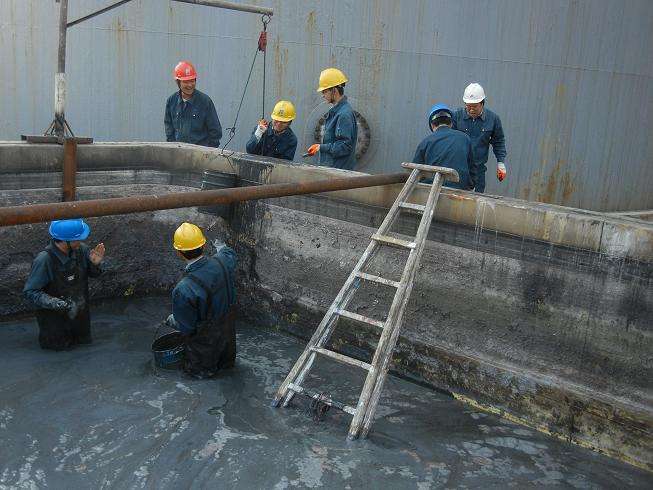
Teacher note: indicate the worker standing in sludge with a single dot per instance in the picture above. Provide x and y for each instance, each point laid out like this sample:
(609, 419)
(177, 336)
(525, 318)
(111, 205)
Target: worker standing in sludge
(484, 129)
(446, 147)
(277, 139)
(338, 147)
(58, 285)
(190, 115)
(202, 304)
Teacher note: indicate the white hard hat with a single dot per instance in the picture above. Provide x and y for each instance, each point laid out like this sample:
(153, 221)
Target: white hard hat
(474, 93)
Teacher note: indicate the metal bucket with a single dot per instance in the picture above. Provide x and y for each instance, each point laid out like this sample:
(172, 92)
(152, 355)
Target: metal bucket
(168, 350)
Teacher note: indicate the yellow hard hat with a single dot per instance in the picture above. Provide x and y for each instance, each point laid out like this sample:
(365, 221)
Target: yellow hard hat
(283, 111)
(331, 77)
(188, 237)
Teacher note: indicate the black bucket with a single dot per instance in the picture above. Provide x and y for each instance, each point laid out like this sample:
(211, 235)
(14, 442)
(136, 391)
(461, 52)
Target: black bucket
(168, 350)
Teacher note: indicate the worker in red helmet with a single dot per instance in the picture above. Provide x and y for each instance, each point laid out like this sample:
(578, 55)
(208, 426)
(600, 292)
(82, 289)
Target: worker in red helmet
(190, 114)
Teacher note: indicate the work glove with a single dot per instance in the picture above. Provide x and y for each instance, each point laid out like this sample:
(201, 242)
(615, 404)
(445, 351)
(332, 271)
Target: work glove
(218, 245)
(170, 322)
(73, 308)
(501, 171)
(61, 305)
(261, 128)
(313, 149)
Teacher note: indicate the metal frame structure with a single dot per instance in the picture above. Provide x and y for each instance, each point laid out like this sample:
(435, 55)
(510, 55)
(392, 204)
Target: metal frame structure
(59, 127)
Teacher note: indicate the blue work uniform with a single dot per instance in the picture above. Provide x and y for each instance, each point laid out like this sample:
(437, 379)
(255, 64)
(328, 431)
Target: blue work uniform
(446, 147)
(484, 131)
(201, 306)
(192, 121)
(282, 145)
(57, 276)
(338, 147)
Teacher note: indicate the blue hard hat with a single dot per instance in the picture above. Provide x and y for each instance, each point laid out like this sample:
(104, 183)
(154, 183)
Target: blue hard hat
(69, 230)
(439, 110)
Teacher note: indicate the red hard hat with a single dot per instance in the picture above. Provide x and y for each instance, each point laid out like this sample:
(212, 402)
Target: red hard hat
(185, 71)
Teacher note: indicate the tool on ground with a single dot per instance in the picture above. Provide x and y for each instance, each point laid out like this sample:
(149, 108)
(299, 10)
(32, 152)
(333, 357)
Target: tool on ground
(378, 369)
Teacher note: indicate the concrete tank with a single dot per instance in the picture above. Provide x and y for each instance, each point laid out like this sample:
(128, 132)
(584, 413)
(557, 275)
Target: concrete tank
(537, 312)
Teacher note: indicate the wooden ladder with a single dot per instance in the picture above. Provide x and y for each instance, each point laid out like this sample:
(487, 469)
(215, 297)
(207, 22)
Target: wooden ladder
(377, 370)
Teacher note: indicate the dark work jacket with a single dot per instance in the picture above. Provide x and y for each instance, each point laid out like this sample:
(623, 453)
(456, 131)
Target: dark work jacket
(446, 147)
(190, 301)
(202, 303)
(484, 131)
(192, 121)
(338, 147)
(55, 275)
(272, 144)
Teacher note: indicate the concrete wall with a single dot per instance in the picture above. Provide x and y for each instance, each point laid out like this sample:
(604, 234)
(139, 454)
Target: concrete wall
(546, 332)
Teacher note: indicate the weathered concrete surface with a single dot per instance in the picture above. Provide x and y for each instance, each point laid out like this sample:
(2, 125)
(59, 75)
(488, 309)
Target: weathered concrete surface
(562, 345)
(556, 335)
(616, 236)
(101, 417)
(140, 258)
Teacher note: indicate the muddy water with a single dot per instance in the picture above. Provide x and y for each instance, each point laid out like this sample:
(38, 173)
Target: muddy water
(102, 416)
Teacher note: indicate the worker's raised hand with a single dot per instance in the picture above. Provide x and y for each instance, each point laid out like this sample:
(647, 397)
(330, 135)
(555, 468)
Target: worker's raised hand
(313, 149)
(261, 128)
(501, 171)
(97, 254)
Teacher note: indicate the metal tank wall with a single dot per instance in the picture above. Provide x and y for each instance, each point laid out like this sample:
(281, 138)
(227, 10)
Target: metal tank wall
(571, 80)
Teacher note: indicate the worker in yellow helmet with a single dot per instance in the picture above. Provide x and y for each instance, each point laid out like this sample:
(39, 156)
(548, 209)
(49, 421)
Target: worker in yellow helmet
(202, 303)
(338, 147)
(277, 139)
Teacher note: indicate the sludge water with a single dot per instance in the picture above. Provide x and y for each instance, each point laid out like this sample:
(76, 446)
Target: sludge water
(537, 311)
(101, 415)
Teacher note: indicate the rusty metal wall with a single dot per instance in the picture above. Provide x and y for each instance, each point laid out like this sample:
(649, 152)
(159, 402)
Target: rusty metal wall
(571, 80)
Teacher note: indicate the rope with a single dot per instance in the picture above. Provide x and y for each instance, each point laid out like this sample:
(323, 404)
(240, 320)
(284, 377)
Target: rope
(261, 46)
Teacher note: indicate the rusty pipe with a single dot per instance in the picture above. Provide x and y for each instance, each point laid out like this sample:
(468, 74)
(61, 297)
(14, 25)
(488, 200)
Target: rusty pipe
(37, 213)
(255, 9)
(69, 169)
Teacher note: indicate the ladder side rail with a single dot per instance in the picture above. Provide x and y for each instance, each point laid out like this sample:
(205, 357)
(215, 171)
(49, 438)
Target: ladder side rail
(374, 382)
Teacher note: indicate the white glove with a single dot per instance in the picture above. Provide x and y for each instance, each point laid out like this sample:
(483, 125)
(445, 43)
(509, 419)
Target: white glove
(259, 131)
(171, 322)
(218, 245)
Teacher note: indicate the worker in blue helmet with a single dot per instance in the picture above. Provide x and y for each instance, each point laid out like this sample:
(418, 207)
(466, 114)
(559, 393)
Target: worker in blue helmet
(58, 285)
(446, 147)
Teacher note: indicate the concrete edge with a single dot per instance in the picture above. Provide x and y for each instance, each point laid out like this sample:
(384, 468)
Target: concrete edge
(616, 236)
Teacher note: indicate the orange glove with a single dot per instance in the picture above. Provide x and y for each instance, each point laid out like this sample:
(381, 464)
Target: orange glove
(313, 149)
(501, 171)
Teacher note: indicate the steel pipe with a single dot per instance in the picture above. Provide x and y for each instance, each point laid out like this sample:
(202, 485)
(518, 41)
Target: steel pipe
(37, 213)
(69, 169)
(255, 9)
(210, 3)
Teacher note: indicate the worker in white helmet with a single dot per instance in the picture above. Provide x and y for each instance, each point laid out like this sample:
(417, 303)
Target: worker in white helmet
(484, 129)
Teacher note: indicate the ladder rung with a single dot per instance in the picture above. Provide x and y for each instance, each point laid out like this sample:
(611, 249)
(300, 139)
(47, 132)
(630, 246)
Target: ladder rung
(380, 280)
(393, 242)
(325, 399)
(360, 318)
(414, 207)
(341, 358)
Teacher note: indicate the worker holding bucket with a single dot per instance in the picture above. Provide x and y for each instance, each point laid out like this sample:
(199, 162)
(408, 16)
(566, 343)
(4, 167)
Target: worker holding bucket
(202, 304)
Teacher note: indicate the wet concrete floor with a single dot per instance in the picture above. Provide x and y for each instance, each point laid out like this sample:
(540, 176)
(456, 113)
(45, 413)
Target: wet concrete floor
(101, 416)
